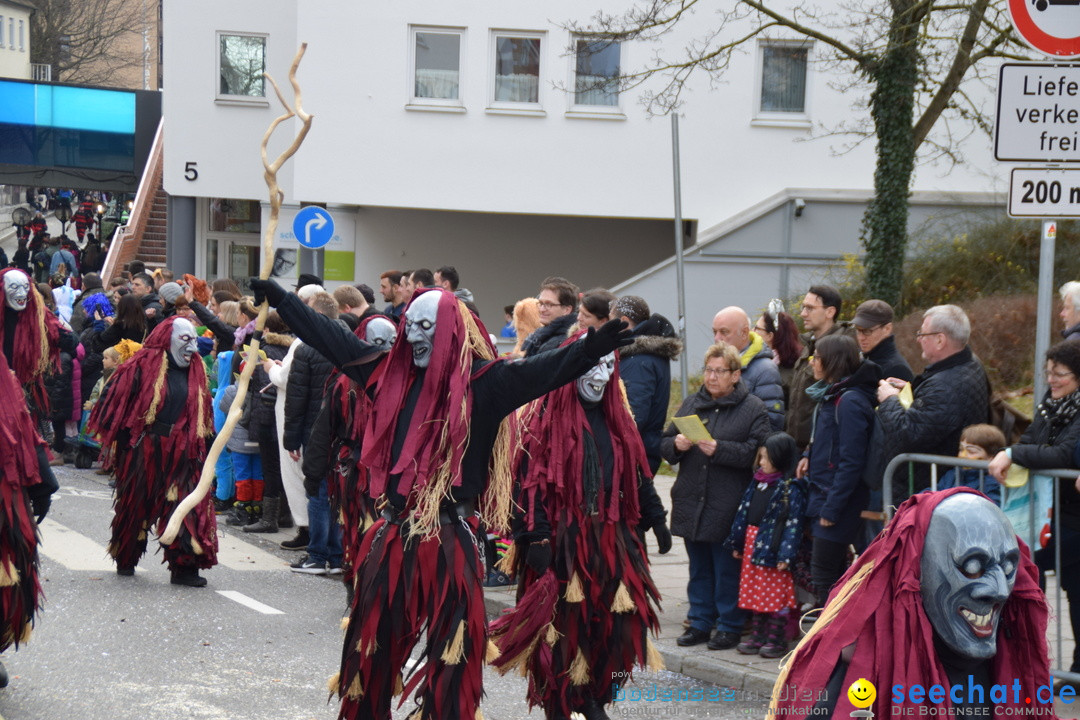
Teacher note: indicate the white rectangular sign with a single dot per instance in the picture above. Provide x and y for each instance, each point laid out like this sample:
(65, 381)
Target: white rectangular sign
(1038, 113)
(1038, 192)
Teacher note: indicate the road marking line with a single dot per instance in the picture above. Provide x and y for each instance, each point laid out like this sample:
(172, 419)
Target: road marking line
(73, 550)
(248, 602)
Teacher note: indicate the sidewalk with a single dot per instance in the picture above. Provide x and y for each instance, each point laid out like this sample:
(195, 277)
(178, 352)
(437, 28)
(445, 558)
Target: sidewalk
(727, 667)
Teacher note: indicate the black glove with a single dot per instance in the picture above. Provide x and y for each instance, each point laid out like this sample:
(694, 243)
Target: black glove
(40, 504)
(663, 537)
(311, 489)
(538, 556)
(267, 291)
(611, 336)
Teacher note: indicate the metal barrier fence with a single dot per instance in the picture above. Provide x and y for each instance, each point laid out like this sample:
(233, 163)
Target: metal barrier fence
(1032, 541)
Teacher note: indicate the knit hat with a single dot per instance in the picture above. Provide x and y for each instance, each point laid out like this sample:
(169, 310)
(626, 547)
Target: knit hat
(170, 291)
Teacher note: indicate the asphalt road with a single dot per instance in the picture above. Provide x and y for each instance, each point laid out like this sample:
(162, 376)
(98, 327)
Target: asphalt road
(258, 643)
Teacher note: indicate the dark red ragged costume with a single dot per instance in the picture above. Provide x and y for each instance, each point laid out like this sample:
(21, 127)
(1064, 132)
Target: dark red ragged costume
(420, 568)
(347, 485)
(20, 590)
(156, 467)
(581, 627)
(876, 609)
(36, 351)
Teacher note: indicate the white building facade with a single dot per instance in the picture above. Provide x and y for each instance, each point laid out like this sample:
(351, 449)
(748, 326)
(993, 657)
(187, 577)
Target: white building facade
(478, 136)
(15, 39)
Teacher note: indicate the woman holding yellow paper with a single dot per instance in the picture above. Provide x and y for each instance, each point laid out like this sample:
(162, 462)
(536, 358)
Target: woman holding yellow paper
(713, 475)
(846, 393)
(1051, 442)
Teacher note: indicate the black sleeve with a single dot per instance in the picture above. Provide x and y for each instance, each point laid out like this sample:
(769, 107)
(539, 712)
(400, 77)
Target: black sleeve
(516, 382)
(107, 337)
(297, 392)
(225, 333)
(331, 339)
(652, 508)
(317, 453)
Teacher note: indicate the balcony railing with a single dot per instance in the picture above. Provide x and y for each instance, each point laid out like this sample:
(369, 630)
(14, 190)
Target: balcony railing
(41, 72)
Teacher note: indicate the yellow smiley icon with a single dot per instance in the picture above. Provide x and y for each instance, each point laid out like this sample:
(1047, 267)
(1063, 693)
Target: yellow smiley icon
(862, 693)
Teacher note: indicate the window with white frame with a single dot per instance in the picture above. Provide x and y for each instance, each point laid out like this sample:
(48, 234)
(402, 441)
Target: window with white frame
(241, 63)
(517, 68)
(437, 65)
(11, 33)
(22, 42)
(783, 80)
(1, 31)
(596, 72)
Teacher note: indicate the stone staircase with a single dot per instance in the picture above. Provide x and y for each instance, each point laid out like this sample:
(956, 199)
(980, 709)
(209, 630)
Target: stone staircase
(152, 248)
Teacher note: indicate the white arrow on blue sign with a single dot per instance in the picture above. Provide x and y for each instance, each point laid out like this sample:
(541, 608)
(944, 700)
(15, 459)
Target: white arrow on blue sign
(313, 227)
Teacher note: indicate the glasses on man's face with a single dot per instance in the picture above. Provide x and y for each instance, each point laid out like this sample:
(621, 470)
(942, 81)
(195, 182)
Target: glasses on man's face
(716, 372)
(807, 307)
(867, 331)
(545, 305)
(921, 335)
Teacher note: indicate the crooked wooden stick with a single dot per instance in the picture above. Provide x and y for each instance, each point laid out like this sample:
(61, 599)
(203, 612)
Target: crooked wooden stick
(276, 196)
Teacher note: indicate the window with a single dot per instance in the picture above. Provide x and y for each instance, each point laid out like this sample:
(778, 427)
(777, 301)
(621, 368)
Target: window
(1, 31)
(517, 69)
(22, 45)
(235, 216)
(596, 72)
(241, 63)
(437, 61)
(11, 33)
(782, 85)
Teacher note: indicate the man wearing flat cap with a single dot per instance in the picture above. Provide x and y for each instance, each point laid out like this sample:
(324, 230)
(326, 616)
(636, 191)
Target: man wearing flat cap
(874, 332)
(307, 279)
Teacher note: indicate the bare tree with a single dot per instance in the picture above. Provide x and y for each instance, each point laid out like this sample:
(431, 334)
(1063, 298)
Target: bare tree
(91, 42)
(910, 63)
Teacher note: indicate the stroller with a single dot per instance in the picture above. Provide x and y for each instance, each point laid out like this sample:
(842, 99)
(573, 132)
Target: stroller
(84, 447)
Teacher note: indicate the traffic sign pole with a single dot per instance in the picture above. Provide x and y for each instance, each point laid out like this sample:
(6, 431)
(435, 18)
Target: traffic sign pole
(1044, 311)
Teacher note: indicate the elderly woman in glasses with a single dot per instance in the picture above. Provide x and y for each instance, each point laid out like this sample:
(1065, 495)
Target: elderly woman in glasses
(713, 475)
(1051, 442)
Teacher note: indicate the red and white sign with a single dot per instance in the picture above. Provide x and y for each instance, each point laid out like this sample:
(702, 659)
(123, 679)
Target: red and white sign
(1050, 26)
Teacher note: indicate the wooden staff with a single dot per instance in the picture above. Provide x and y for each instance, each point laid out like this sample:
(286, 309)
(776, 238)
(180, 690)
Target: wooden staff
(276, 196)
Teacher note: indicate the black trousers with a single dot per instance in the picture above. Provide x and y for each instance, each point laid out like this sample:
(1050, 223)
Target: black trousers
(271, 460)
(828, 561)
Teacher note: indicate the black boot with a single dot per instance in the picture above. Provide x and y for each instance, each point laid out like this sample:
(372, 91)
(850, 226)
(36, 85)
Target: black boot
(593, 710)
(300, 542)
(187, 576)
(752, 644)
(269, 521)
(775, 637)
(239, 515)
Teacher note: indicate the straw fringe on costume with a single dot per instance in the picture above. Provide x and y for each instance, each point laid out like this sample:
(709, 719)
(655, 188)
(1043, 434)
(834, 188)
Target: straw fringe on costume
(20, 588)
(584, 624)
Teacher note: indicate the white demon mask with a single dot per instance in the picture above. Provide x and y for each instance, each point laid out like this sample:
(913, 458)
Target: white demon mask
(381, 333)
(183, 346)
(420, 326)
(590, 386)
(17, 289)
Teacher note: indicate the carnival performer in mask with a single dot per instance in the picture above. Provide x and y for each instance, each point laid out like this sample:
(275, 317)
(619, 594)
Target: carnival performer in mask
(437, 452)
(585, 589)
(334, 450)
(154, 420)
(22, 493)
(946, 595)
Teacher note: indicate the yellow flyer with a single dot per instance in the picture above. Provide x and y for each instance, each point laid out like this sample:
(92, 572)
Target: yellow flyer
(692, 427)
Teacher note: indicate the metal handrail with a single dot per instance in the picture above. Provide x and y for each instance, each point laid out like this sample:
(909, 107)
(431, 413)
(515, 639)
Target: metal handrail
(982, 466)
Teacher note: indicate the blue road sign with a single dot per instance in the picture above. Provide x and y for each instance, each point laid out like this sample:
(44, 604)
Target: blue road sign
(313, 227)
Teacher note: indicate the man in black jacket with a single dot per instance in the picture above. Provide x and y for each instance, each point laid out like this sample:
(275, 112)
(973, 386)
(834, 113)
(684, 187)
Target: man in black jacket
(873, 323)
(304, 395)
(950, 394)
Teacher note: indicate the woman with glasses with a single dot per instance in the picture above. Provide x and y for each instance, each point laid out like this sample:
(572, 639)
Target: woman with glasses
(778, 330)
(1051, 442)
(713, 475)
(845, 393)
